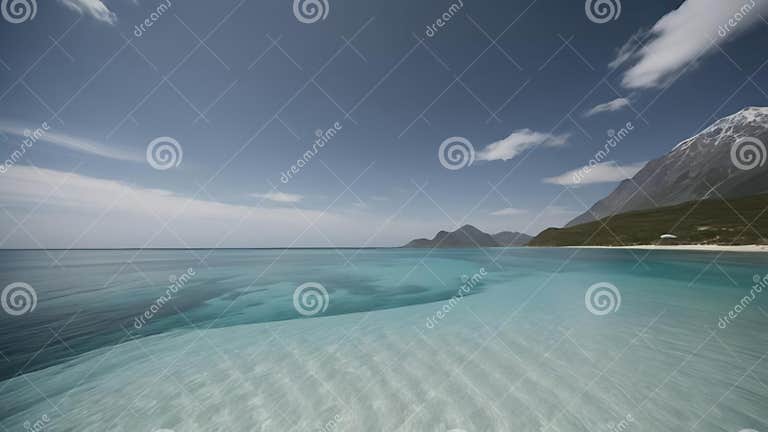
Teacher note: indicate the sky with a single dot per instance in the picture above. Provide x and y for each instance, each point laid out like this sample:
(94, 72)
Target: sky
(321, 123)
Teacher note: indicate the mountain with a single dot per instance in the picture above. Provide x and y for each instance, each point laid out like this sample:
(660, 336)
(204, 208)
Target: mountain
(509, 238)
(710, 221)
(464, 237)
(695, 169)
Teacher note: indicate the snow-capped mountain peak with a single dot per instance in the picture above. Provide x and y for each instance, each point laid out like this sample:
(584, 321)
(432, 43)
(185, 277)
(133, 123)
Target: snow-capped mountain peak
(730, 126)
(699, 167)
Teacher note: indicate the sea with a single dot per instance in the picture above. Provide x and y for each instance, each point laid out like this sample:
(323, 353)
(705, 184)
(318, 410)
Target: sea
(444, 340)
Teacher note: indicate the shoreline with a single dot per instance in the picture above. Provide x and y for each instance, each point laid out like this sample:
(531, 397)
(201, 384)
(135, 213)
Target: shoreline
(692, 247)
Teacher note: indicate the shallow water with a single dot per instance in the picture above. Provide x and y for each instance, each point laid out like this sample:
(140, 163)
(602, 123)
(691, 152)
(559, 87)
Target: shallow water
(517, 350)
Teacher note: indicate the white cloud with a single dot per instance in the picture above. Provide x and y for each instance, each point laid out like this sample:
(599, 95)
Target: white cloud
(80, 145)
(509, 211)
(95, 8)
(64, 210)
(82, 211)
(559, 210)
(604, 172)
(517, 142)
(628, 49)
(683, 36)
(614, 105)
(280, 197)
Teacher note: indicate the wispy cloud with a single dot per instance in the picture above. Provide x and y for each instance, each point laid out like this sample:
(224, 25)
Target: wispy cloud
(69, 142)
(628, 49)
(86, 211)
(614, 105)
(509, 211)
(559, 210)
(604, 172)
(95, 8)
(280, 197)
(683, 36)
(77, 210)
(519, 141)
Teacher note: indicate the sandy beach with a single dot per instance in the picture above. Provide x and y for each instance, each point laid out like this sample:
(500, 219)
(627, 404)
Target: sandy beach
(710, 248)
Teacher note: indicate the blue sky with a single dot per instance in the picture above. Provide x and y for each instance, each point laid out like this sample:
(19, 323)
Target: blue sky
(243, 86)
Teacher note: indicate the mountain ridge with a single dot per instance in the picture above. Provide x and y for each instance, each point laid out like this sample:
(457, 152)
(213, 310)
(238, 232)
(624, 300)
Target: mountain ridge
(698, 167)
(468, 236)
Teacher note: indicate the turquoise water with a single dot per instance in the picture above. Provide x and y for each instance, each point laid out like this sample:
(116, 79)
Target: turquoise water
(406, 340)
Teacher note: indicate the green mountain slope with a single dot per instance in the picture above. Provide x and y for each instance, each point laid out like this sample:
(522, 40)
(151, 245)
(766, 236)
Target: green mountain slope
(710, 221)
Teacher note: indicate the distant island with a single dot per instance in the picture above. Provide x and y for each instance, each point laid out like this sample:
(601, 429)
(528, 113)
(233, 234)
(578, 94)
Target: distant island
(470, 237)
